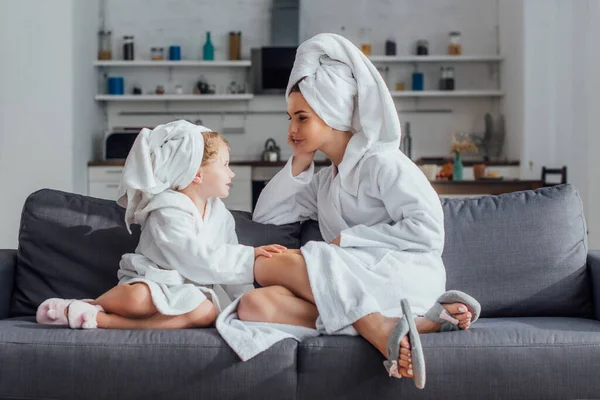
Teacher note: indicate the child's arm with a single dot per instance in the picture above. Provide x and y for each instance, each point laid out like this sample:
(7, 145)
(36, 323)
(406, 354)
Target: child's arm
(288, 198)
(176, 246)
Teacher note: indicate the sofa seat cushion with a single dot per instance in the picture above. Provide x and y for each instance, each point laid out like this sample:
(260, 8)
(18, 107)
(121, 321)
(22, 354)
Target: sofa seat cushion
(41, 361)
(500, 358)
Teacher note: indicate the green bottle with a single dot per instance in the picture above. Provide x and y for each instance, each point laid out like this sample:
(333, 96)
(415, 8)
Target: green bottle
(208, 50)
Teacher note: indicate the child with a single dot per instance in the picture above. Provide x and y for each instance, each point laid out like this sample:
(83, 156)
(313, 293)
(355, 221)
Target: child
(188, 264)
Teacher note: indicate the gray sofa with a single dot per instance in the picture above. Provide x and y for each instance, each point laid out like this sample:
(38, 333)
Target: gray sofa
(523, 255)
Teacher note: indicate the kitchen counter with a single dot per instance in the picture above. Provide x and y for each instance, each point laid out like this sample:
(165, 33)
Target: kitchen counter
(466, 163)
(250, 163)
(484, 186)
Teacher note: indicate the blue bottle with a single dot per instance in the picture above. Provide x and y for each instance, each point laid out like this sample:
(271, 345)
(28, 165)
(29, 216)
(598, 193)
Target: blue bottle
(208, 50)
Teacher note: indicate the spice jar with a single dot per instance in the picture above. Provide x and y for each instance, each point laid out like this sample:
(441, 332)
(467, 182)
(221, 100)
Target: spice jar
(422, 47)
(128, 53)
(157, 53)
(235, 45)
(455, 48)
(104, 45)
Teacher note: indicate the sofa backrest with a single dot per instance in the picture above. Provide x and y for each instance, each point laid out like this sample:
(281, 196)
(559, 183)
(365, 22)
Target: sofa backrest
(70, 246)
(521, 254)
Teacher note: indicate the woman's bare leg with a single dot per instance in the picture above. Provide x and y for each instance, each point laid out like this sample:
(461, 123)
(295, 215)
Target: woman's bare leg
(278, 305)
(289, 270)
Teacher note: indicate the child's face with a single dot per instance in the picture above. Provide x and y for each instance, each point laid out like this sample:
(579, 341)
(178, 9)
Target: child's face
(216, 175)
(307, 131)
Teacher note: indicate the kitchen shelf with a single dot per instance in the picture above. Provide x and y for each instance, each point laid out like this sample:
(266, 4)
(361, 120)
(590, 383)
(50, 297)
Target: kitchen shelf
(435, 59)
(183, 63)
(448, 93)
(175, 97)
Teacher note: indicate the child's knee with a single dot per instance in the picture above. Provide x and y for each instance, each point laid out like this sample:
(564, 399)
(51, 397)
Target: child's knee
(140, 300)
(204, 315)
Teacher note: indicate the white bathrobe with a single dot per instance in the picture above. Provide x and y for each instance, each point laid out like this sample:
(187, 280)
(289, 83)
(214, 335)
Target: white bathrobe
(392, 236)
(184, 259)
(389, 217)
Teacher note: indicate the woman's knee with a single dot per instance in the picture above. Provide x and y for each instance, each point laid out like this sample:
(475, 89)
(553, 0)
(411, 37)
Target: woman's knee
(257, 305)
(273, 271)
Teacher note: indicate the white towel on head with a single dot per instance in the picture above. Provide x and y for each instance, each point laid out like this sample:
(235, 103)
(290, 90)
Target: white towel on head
(345, 89)
(166, 157)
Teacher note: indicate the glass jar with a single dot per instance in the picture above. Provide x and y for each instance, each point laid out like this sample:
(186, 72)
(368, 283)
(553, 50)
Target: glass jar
(157, 53)
(104, 45)
(422, 47)
(454, 48)
(128, 53)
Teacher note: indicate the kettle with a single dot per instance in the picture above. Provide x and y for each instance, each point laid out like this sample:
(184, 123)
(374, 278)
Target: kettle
(271, 152)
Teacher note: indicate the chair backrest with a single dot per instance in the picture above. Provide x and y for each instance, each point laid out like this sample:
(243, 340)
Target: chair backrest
(554, 171)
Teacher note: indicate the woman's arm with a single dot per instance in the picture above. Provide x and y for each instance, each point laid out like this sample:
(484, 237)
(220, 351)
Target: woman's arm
(288, 198)
(410, 201)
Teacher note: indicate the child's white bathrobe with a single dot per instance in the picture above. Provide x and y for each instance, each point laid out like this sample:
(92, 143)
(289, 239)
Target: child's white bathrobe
(389, 217)
(183, 258)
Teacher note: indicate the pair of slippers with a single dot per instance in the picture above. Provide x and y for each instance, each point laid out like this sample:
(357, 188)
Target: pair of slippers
(80, 314)
(406, 326)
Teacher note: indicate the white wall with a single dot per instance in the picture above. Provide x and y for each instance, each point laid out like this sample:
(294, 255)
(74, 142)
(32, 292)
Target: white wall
(185, 22)
(560, 110)
(36, 107)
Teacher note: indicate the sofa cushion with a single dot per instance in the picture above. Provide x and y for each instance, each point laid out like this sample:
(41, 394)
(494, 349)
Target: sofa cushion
(256, 234)
(49, 362)
(520, 254)
(499, 358)
(70, 246)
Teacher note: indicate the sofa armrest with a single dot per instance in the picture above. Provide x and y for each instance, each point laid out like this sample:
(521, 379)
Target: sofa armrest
(593, 264)
(8, 263)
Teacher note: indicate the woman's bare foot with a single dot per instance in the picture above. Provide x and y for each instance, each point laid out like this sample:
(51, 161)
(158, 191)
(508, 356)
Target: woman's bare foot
(377, 329)
(458, 311)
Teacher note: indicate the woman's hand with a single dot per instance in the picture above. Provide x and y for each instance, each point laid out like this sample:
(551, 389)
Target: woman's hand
(301, 160)
(336, 241)
(267, 251)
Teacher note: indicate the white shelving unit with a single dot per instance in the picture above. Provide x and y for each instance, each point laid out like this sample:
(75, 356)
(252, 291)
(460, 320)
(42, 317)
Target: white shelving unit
(174, 97)
(171, 64)
(437, 59)
(448, 93)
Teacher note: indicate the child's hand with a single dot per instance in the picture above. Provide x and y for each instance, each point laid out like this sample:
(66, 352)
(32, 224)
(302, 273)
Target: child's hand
(267, 251)
(336, 241)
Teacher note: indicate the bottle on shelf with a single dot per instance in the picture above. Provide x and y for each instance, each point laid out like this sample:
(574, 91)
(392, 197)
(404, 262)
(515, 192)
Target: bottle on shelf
(208, 51)
(128, 48)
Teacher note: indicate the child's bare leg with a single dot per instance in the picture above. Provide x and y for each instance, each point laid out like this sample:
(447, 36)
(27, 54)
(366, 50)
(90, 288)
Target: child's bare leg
(278, 305)
(131, 301)
(203, 316)
(288, 270)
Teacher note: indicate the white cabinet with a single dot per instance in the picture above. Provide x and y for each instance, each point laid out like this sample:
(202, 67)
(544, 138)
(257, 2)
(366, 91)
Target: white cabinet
(103, 182)
(240, 194)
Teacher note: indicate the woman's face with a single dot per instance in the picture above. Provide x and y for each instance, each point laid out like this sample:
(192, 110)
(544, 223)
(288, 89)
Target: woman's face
(307, 132)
